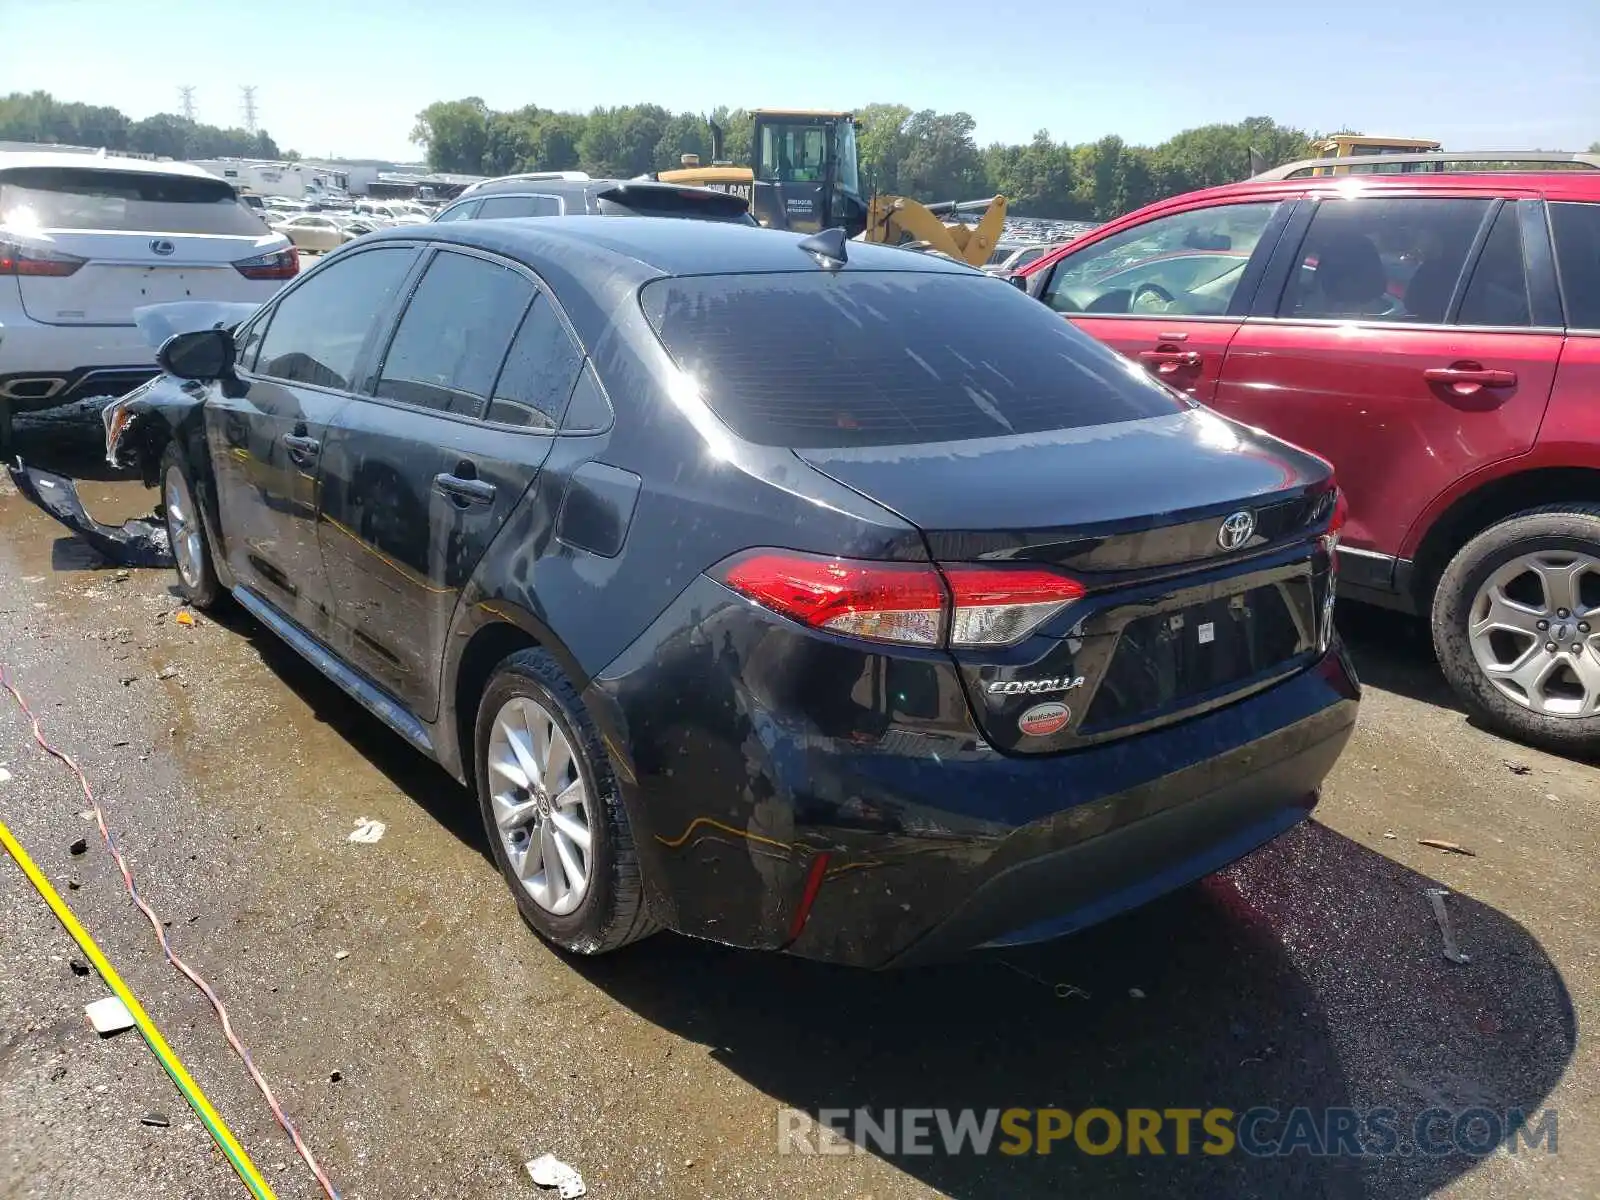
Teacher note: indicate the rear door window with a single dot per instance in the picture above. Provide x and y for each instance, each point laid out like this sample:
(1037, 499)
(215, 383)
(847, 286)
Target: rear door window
(461, 212)
(537, 378)
(519, 206)
(1497, 293)
(1383, 259)
(317, 331)
(865, 358)
(453, 336)
(1577, 233)
(121, 201)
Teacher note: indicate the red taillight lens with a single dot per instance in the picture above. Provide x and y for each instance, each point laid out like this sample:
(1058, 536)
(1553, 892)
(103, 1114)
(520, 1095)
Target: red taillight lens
(883, 601)
(16, 259)
(280, 264)
(908, 603)
(992, 606)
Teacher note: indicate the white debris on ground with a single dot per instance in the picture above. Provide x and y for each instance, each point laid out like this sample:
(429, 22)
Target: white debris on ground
(548, 1171)
(108, 1015)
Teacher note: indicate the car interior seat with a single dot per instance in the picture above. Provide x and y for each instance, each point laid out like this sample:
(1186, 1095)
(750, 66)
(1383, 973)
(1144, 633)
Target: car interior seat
(1349, 279)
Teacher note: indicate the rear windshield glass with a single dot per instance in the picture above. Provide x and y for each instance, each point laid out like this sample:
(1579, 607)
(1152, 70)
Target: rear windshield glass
(874, 358)
(662, 202)
(121, 201)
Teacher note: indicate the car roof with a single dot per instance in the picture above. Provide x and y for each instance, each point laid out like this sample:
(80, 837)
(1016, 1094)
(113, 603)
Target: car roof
(14, 159)
(534, 187)
(661, 246)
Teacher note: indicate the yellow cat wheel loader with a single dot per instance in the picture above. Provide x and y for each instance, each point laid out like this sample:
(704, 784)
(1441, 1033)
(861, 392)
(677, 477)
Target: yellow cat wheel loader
(806, 176)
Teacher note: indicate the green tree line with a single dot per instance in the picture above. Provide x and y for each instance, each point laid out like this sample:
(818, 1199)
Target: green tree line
(927, 155)
(40, 117)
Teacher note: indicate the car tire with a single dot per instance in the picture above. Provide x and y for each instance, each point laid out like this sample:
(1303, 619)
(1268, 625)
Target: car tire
(180, 512)
(527, 690)
(1549, 542)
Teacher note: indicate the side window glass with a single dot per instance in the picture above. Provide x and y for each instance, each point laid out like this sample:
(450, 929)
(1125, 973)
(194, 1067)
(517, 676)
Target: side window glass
(1498, 291)
(519, 206)
(589, 411)
(319, 328)
(248, 343)
(533, 388)
(453, 335)
(1383, 260)
(1188, 264)
(461, 212)
(1577, 234)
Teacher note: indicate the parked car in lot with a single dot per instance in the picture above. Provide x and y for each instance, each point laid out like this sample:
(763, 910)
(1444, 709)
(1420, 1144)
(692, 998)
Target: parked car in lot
(797, 594)
(351, 228)
(312, 231)
(84, 240)
(391, 212)
(572, 193)
(1437, 338)
(1010, 257)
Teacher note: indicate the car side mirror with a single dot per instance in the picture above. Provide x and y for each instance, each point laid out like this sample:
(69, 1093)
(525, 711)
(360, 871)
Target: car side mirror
(1020, 282)
(203, 354)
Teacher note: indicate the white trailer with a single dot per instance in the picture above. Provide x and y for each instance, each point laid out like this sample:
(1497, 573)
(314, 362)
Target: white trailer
(295, 181)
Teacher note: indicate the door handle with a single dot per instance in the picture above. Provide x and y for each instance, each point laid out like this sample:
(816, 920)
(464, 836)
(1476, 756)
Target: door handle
(464, 491)
(1471, 374)
(1169, 362)
(301, 446)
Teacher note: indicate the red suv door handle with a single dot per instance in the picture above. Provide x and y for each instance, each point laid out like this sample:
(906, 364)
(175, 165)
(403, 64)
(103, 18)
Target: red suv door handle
(1469, 377)
(1169, 362)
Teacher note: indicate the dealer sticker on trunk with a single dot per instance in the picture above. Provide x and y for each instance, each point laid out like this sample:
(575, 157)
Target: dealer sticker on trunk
(1044, 719)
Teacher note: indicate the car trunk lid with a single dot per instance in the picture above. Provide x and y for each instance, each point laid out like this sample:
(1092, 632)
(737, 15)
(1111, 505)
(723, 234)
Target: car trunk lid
(125, 270)
(1130, 496)
(1179, 615)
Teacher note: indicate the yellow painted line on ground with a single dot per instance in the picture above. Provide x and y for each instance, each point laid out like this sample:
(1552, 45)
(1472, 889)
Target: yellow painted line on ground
(158, 1045)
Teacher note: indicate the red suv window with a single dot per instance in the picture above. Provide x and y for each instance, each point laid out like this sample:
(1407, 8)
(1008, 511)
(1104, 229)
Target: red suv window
(1577, 231)
(1383, 259)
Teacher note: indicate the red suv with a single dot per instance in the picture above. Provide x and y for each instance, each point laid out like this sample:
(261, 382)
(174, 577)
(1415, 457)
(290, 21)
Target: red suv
(1437, 338)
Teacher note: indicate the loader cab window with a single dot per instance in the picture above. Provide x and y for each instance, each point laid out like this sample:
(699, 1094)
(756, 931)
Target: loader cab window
(848, 178)
(792, 152)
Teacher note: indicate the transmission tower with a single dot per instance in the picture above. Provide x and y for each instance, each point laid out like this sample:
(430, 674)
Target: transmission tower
(187, 92)
(249, 108)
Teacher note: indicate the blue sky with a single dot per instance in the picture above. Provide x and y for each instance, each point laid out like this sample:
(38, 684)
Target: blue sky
(348, 76)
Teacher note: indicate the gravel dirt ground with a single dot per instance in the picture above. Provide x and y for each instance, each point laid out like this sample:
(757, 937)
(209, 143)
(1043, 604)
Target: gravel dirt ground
(427, 1044)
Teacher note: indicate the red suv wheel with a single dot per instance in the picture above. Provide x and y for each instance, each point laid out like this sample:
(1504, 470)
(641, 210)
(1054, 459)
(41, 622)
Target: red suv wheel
(1516, 624)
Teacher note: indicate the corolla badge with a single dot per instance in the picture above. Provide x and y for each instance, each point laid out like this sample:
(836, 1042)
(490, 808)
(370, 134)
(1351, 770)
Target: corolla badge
(161, 246)
(1034, 687)
(1236, 529)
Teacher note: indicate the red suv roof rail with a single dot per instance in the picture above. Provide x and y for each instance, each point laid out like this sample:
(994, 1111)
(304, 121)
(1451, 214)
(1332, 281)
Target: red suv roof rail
(1472, 161)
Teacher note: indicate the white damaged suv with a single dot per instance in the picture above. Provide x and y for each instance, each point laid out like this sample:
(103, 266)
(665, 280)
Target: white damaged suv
(85, 239)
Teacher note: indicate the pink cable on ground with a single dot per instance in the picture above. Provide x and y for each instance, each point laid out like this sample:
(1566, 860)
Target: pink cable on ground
(155, 923)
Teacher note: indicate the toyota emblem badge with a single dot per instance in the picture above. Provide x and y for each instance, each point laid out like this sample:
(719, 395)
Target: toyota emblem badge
(1237, 529)
(162, 247)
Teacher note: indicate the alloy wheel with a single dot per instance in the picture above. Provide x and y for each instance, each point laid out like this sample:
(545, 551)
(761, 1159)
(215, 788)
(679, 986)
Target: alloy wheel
(542, 809)
(1534, 627)
(183, 527)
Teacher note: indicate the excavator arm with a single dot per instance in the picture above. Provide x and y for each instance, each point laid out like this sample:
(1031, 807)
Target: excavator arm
(892, 220)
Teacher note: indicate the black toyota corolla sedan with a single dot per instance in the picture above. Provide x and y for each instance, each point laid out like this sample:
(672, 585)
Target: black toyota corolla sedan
(797, 594)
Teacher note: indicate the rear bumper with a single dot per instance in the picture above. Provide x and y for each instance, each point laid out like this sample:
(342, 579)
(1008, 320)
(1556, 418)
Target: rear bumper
(883, 844)
(1159, 811)
(45, 366)
(1201, 829)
